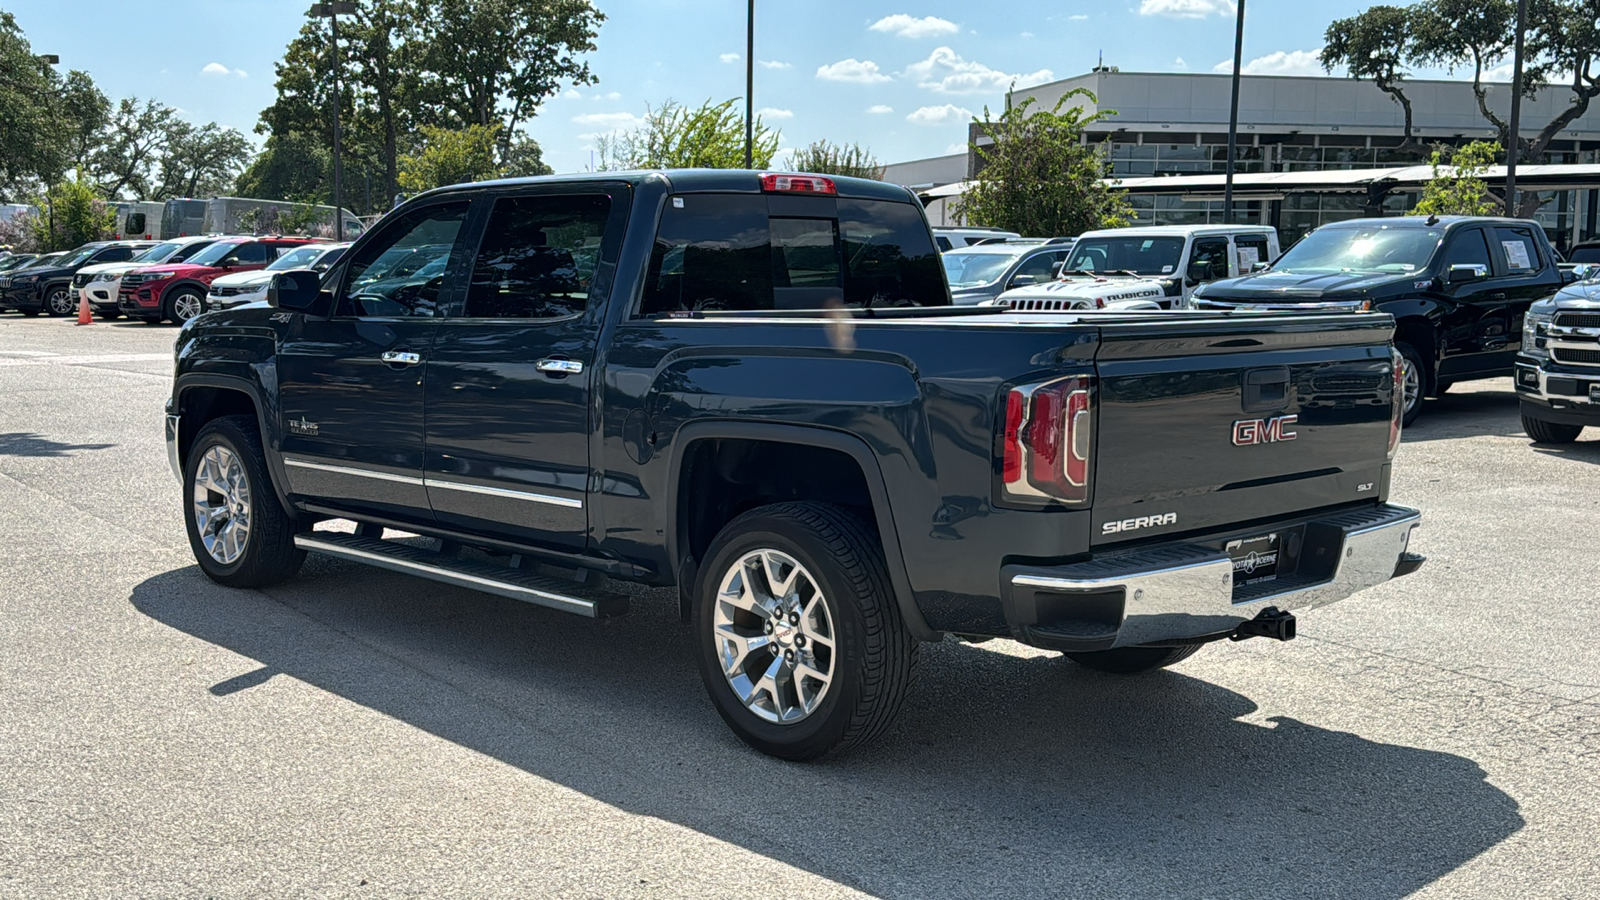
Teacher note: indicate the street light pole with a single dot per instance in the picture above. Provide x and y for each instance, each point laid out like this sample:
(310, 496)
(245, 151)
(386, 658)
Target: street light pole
(331, 10)
(1516, 113)
(50, 59)
(1233, 119)
(749, 84)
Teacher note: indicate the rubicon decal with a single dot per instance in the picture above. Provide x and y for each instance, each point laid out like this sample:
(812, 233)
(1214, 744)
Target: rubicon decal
(1264, 431)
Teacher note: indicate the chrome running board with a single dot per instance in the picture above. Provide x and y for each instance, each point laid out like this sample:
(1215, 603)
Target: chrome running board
(487, 577)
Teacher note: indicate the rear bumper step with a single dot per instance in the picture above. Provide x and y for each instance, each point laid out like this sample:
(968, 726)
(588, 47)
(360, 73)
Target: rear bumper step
(1185, 592)
(487, 577)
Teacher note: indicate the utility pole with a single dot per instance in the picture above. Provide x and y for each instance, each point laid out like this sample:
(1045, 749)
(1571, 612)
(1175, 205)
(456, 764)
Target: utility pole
(1233, 119)
(749, 85)
(46, 60)
(331, 11)
(1516, 113)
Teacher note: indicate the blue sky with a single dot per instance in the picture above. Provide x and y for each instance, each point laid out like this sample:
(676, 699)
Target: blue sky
(902, 78)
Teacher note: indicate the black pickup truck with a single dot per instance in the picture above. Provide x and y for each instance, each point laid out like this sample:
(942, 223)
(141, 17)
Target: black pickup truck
(753, 387)
(1457, 287)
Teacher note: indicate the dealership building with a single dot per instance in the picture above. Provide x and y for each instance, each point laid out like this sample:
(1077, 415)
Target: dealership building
(1310, 150)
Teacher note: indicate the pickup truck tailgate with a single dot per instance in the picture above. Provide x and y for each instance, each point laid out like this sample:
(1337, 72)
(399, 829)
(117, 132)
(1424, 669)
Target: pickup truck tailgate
(1207, 422)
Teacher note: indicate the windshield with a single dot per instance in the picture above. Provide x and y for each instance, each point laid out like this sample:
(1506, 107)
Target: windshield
(973, 269)
(1363, 248)
(158, 253)
(298, 258)
(78, 256)
(1145, 255)
(211, 254)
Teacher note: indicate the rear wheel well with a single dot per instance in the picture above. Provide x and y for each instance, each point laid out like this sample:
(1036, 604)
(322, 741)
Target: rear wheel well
(199, 405)
(725, 477)
(1419, 333)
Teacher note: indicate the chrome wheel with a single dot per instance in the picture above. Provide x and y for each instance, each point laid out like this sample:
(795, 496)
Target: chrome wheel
(1413, 384)
(60, 302)
(774, 636)
(186, 306)
(222, 504)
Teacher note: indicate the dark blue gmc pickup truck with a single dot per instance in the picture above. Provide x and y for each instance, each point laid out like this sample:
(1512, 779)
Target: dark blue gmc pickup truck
(753, 387)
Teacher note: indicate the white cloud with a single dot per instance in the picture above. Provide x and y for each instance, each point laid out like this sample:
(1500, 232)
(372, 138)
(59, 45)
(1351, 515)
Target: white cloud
(1291, 62)
(610, 119)
(953, 149)
(858, 71)
(943, 114)
(1025, 35)
(880, 109)
(217, 68)
(911, 27)
(1179, 63)
(773, 64)
(1186, 9)
(1078, 18)
(730, 57)
(771, 112)
(571, 94)
(609, 95)
(946, 72)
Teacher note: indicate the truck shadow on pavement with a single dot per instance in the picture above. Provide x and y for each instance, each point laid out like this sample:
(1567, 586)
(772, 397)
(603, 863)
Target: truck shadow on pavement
(1003, 775)
(20, 443)
(1465, 412)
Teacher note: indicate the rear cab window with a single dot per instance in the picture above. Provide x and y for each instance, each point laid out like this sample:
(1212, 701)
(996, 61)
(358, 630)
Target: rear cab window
(758, 252)
(1519, 250)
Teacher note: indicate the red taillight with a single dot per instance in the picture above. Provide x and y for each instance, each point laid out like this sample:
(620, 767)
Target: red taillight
(1397, 404)
(1048, 441)
(798, 184)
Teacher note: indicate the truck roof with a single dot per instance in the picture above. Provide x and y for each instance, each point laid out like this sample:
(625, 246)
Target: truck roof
(687, 181)
(1179, 230)
(1430, 221)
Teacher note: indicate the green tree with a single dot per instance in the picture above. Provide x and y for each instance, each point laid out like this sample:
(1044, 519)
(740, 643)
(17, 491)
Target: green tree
(674, 136)
(290, 165)
(1038, 176)
(200, 161)
(448, 156)
(75, 215)
(522, 158)
(827, 158)
(1375, 45)
(46, 120)
(1459, 189)
(127, 161)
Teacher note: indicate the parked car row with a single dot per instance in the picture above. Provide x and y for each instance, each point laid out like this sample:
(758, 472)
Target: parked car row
(171, 281)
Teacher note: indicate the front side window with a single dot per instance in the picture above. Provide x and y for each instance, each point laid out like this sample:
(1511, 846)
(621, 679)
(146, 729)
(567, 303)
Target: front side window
(1468, 248)
(538, 257)
(251, 254)
(114, 254)
(392, 277)
(1209, 260)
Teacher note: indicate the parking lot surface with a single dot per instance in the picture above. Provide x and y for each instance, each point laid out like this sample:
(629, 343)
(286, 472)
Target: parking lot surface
(357, 733)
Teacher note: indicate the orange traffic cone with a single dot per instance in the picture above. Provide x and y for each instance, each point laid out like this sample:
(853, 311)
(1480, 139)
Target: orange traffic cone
(84, 316)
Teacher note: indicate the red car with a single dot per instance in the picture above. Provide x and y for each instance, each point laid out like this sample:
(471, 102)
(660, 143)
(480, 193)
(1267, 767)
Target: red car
(178, 292)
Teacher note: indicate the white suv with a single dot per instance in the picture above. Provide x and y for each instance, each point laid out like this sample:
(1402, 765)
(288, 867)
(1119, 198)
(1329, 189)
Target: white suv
(1155, 266)
(951, 237)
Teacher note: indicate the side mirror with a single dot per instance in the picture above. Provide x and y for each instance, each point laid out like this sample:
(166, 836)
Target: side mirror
(1260, 267)
(296, 289)
(1463, 273)
(1021, 281)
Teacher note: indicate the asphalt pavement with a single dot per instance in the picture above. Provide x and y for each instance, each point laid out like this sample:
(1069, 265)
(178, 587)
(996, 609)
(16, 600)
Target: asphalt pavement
(357, 733)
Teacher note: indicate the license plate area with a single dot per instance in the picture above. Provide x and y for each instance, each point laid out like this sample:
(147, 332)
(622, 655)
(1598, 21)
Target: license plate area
(1256, 559)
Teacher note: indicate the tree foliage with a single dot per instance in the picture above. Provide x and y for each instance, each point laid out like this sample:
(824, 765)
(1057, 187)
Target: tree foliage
(827, 158)
(411, 64)
(1038, 177)
(1457, 188)
(447, 156)
(1376, 45)
(674, 136)
(74, 215)
(46, 119)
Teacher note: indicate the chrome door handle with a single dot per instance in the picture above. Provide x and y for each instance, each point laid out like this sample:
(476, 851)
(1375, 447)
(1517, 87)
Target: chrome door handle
(559, 366)
(401, 357)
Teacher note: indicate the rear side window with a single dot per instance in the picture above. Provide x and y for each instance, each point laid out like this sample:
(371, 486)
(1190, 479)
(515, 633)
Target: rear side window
(725, 252)
(538, 257)
(1252, 249)
(1521, 253)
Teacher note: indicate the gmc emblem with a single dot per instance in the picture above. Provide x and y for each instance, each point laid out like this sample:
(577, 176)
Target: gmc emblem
(1263, 431)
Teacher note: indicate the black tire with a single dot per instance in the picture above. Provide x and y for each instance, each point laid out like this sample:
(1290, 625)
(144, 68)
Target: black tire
(169, 306)
(1133, 660)
(57, 301)
(1544, 432)
(1414, 360)
(269, 553)
(874, 658)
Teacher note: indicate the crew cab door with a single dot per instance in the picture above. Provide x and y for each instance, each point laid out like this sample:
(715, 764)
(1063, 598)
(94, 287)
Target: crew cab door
(351, 385)
(509, 380)
(1477, 328)
(1208, 261)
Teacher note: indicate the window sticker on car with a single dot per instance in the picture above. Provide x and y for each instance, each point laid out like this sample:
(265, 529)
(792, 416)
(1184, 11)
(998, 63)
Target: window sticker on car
(1517, 254)
(1248, 256)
